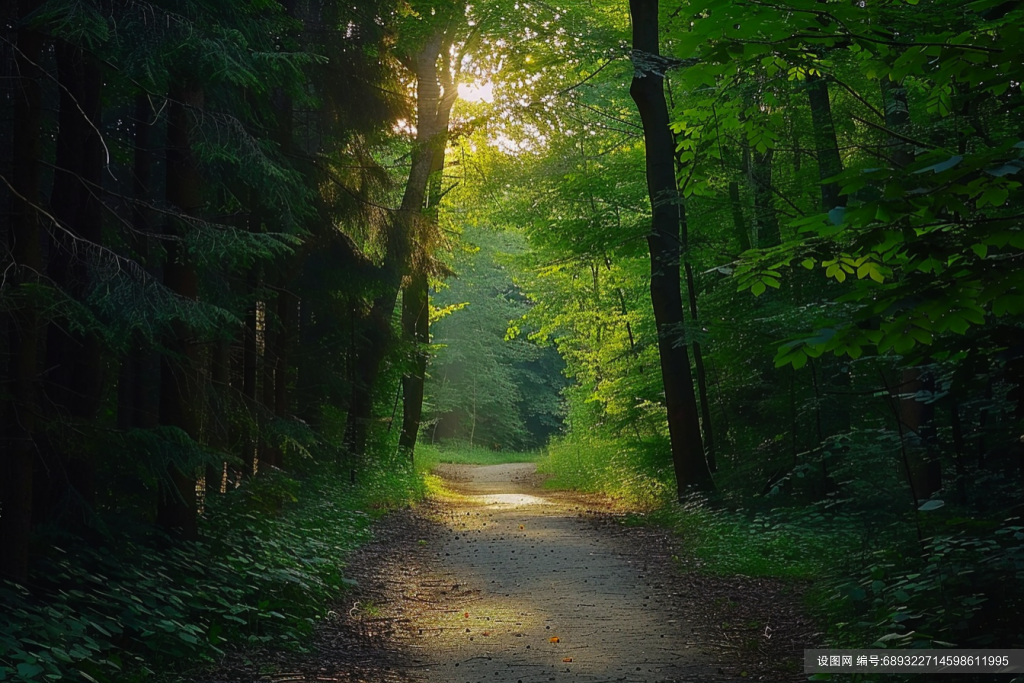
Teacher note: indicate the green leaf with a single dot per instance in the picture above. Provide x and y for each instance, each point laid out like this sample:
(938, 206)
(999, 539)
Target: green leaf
(995, 196)
(942, 165)
(26, 670)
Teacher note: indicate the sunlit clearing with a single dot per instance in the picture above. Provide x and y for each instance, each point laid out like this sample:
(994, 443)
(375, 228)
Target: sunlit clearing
(476, 92)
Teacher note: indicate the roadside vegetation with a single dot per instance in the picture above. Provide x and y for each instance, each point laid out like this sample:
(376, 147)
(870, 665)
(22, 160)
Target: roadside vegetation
(128, 603)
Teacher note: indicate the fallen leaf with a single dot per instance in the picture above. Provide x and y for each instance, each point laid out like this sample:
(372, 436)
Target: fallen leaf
(553, 639)
(486, 633)
(566, 659)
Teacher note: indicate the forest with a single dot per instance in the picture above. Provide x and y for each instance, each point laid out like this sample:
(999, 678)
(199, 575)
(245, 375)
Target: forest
(750, 269)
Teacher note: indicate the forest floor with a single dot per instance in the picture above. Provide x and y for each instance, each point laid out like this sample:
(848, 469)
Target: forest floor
(501, 580)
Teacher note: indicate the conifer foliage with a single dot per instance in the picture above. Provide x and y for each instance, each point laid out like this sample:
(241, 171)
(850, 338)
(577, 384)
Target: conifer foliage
(192, 216)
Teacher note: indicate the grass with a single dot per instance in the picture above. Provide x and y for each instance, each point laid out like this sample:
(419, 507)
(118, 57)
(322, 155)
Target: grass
(721, 541)
(429, 456)
(725, 542)
(632, 476)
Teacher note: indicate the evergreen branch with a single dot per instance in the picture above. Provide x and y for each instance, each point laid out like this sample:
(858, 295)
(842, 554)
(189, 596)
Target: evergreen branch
(67, 92)
(74, 238)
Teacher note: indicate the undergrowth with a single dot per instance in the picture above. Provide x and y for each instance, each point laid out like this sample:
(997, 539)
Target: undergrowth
(634, 475)
(129, 601)
(871, 580)
(462, 453)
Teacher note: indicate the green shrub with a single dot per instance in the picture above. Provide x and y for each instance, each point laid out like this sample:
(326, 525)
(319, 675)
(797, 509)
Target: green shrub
(269, 564)
(462, 453)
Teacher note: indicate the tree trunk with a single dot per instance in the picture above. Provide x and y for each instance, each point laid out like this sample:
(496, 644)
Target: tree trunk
(702, 382)
(250, 367)
(268, 453)
(179, 388)
(829, 161)
(917, 416)
(416, 298)
(139, 379)
(74, 376)
(18, 452)
(433, 107)
(739, 224)
(416, 326)
(958, 449)
(666, 240)
(220, 427)
(282, 343)
(765, 217)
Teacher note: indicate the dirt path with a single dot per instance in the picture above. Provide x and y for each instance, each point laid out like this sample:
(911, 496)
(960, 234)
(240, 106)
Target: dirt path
(525, 587)
(509, 583)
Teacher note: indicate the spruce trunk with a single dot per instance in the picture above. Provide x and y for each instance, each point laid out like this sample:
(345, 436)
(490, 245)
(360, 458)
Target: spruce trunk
(18, 452)
(179, 387)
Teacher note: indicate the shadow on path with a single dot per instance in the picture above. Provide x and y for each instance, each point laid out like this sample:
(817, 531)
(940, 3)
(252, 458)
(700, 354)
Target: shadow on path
(502, 581)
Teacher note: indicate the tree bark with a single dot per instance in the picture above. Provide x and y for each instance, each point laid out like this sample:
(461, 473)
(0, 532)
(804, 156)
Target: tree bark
(739, 224)
(74, 375)
(702, 382)
(416, 327)
(250, 367)
(765, 217)
(139, 378)
(19, 448)
(179, 387)
(433, 107)
(268, 453)
(416, 297)
(829, 161)
(917, 416)
(666, 241)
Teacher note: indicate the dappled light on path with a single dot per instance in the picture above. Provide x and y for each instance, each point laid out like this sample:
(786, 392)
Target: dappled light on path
(521, 585)
(509, 499)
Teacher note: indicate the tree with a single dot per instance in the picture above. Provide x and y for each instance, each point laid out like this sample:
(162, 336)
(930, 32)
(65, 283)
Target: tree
(668, 239)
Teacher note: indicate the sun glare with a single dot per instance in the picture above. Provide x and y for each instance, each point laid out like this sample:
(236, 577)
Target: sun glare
(477, 92)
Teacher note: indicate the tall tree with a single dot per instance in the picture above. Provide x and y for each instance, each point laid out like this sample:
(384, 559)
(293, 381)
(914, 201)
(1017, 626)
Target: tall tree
(75, 374)
(179, 383)
(666, 241)
(436, 48)
(20, 411)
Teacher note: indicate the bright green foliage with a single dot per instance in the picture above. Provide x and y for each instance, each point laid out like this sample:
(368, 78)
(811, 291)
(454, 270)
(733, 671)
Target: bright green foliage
(484, 387)
(922, 244)
(634, 474)
(461, 453)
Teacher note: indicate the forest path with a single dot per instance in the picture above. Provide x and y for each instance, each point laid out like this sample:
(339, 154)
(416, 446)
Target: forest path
(521, 585)
(473, 587)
